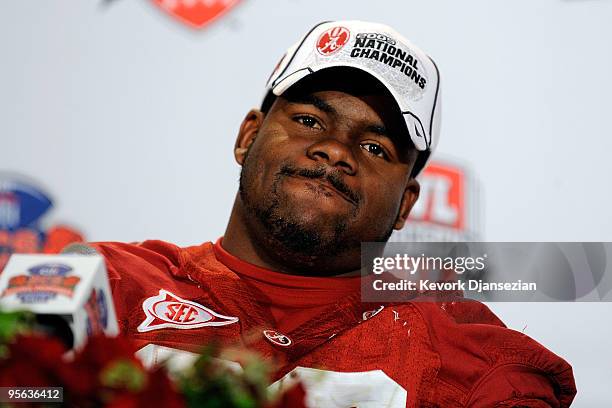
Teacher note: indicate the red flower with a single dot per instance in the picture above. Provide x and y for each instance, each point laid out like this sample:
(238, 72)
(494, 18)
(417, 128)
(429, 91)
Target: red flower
(107, 370)
(159, 392)
(33, 361)
(85, 379)
(106, 373)
(101, 350)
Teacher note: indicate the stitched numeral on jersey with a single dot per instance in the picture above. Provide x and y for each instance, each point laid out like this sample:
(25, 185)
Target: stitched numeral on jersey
(367, 389)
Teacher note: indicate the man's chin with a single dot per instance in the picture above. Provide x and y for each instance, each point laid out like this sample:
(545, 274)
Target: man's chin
(326, 221)
(309, 236)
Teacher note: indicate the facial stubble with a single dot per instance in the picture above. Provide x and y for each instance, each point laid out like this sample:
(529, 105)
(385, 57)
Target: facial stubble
(284, 223)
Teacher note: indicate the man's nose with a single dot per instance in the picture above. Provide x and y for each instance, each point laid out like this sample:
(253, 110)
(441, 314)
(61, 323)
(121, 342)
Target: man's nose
(335, 153)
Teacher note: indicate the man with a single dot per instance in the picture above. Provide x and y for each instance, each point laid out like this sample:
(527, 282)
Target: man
(329, 161)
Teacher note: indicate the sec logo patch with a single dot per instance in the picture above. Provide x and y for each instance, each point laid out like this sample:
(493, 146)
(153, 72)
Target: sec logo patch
(168, 311)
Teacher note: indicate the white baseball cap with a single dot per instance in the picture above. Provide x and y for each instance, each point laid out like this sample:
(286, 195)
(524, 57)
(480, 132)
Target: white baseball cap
(408, 73)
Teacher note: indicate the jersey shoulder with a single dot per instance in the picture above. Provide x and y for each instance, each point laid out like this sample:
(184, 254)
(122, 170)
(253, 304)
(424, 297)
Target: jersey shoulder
(490, 363)
(140, 260)
(140, 271)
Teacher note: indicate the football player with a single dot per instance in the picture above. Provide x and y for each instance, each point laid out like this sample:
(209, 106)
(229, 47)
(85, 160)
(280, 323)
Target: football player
(329, 161)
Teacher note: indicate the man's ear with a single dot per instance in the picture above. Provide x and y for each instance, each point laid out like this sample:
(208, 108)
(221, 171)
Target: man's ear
(246, 135)
(411, 194)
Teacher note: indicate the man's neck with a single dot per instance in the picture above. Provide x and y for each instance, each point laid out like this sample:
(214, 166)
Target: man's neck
(239, 242)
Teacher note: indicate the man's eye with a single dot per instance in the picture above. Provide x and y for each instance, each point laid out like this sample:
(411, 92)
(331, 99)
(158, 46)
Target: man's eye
(308, 121)
(375, 149)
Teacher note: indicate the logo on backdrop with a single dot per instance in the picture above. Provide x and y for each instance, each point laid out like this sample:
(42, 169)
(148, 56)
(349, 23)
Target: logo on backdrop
(23, 206)
(196, 13)
(448, 208)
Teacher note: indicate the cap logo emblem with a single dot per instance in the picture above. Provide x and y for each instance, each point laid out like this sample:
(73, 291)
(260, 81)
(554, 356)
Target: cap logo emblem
(332, 40)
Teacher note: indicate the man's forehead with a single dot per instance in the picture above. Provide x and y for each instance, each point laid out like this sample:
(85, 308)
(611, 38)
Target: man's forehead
(343, 79)
(322, 88)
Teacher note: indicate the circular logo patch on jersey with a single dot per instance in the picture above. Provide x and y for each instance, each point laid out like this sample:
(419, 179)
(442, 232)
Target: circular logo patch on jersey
(333, 40)
(371, 313)
(277, 338)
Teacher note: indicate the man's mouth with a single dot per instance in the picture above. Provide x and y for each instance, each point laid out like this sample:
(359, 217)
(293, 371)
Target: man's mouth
(326, 186)
(323, 180)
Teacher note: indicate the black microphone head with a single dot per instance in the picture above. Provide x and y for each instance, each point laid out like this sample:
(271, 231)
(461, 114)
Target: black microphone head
(55, 326)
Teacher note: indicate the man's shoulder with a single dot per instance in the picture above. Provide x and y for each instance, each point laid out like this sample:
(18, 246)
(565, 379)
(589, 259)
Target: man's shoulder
(141, 248)
(479, 355)
(148, 257)
(149, 269)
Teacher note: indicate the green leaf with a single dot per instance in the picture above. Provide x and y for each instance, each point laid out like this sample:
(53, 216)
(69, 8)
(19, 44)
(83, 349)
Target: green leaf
(14, 323)
(123, 374)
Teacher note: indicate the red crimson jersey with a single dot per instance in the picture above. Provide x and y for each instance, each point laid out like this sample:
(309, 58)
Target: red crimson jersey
(347, 353)
(291, 300)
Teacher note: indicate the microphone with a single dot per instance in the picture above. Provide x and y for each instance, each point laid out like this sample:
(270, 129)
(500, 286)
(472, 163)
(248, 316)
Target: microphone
(69, 293)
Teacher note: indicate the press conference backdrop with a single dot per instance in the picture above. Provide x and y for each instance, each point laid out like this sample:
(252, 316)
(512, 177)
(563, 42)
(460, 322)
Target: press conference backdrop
(127, 116)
